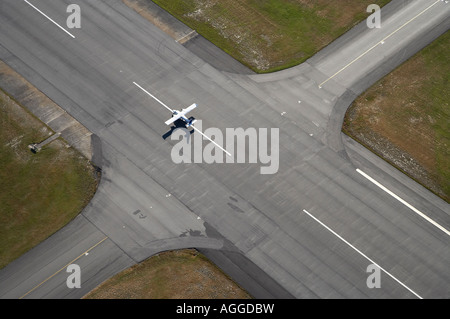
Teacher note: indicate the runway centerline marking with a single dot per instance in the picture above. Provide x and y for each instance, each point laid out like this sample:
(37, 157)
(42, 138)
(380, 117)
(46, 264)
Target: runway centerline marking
(196, 129)
(207, 137)
(418, 212)
(83, 254)
(361, 253)
(154, 97)
(34, 7)
(380, 42)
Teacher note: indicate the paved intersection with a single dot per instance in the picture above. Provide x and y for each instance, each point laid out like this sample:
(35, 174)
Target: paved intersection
(276, 233)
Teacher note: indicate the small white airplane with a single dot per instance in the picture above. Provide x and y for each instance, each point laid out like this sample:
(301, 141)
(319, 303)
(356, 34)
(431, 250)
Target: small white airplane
(176, 115)
(182, 115)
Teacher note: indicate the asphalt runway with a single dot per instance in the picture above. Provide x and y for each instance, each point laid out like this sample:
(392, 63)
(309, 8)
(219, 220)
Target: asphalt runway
(308, 231)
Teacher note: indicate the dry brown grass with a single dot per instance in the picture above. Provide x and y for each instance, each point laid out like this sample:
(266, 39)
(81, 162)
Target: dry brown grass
(268, 35)
(405, 118)
(183, 274)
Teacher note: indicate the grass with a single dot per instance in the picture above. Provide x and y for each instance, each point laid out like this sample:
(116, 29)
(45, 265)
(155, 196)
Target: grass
(270, 35)
(39, 193)
(183, 274)
(405, 117)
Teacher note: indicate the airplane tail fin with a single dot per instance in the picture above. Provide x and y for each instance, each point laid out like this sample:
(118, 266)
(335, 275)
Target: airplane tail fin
(190, 122)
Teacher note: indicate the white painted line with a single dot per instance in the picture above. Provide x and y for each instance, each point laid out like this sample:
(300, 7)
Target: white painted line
(226, 152)
(418, 212)
(65, 267)
(153, 97)
(50, 19)
(380, 42)
(362, 254)
(196, 129)
(183, 37)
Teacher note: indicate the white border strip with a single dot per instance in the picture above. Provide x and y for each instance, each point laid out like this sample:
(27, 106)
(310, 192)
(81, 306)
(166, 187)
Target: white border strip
(184, 37)
(50, 19)
(357, 250)
(418, 212)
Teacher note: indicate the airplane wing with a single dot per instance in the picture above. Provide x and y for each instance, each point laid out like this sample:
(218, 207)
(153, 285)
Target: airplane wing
(190, 108)
(173, 119)
(181, 114)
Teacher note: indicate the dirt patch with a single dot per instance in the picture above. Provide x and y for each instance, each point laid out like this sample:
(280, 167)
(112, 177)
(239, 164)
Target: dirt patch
(146, 9)
(183, 274)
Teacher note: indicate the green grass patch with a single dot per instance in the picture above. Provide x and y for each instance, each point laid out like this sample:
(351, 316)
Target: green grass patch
(269, 35)
(39, 193)
(410, 109)
(438, 104)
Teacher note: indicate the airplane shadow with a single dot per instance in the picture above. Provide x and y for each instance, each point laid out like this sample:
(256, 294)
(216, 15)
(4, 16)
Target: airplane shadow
(177, 124)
